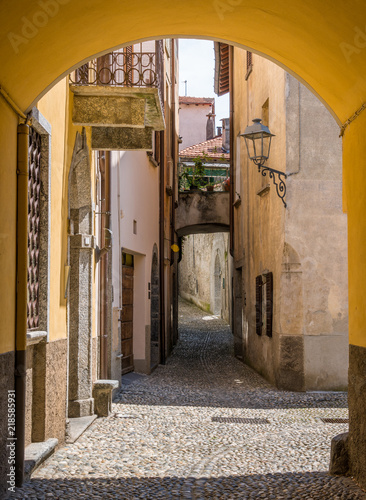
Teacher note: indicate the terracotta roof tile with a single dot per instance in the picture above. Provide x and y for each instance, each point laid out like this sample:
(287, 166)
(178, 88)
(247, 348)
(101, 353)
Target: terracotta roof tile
(212, 148)
(196, 100)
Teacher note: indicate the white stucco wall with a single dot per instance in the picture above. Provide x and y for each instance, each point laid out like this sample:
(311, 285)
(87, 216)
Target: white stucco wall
(135, 197)
(192, 123)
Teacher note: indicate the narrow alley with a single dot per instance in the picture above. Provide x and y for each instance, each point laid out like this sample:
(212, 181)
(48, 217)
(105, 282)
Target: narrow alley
(169, 434)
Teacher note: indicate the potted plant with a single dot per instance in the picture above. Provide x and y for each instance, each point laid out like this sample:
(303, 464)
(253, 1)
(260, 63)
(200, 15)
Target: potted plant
(226, 184)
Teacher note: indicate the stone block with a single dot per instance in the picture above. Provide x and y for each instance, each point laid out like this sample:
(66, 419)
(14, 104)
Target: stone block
(291, 363)
(339, 458)
(326, 368)
(36, 453)
(100, 110)
(357, 411)
(122, 139)
(76, 426)
(81, 407)
(102, 394)
(118, 106)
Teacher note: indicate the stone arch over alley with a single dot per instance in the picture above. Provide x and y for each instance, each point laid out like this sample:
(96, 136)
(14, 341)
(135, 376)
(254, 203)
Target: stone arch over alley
(35, 57)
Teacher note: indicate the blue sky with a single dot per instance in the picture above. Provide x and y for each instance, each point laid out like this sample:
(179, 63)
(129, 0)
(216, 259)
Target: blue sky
(196, 65)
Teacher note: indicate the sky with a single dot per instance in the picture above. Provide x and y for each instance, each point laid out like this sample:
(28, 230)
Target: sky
(196, 65)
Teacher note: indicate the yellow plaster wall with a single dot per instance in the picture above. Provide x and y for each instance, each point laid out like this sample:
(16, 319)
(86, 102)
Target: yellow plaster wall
(53, 107)
(354, 174)
(8, 207)
(322, 42)
(56, 107)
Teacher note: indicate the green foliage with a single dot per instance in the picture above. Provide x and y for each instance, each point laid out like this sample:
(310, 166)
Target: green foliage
(198, 179)
(185, 179)
(194, 176)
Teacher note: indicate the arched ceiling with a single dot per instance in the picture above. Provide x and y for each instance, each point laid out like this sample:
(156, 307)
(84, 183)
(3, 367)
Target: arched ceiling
(323, 43)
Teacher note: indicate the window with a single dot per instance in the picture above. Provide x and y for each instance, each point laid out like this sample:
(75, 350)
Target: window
(258, 305)
(264, 304)
(249, 64)
(38, 225)
(265, 113)
(34, 194)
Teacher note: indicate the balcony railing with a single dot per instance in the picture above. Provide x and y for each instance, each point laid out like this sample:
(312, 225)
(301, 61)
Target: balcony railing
(123, 68)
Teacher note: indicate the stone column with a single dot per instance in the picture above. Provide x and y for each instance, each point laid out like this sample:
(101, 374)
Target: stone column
(80, 326)
(81, 243)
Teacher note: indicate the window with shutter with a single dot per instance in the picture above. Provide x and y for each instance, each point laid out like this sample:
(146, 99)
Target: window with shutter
(258, 305)
(269, 303)
(249, 64)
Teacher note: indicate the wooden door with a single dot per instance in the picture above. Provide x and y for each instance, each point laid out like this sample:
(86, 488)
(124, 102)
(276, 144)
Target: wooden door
(127, 318)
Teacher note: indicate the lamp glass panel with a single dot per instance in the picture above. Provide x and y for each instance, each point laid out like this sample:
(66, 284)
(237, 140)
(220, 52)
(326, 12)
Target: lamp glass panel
(255, 148)
(250, 147)
(266, 146)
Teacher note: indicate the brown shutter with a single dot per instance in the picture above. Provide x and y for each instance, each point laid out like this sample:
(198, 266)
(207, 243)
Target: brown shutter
(258, 305)
(269, 304)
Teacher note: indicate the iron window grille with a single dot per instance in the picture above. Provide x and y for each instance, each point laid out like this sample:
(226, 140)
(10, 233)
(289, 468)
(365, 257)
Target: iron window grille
(34, 191)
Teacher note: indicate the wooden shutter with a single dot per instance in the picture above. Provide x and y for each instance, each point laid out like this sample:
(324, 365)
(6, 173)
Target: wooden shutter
(269, 303)
(258, 305)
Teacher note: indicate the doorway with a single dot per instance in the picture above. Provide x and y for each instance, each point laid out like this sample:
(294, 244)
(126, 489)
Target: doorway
(127, 313)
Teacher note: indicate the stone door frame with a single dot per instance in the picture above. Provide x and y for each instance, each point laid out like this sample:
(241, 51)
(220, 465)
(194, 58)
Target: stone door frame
(80, 260)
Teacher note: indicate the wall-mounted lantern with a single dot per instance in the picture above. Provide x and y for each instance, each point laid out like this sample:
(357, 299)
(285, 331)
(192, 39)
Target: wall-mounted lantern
(258, 142)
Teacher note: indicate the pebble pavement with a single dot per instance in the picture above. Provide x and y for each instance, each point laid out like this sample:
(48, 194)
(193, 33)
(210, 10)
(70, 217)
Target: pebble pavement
(162, 441)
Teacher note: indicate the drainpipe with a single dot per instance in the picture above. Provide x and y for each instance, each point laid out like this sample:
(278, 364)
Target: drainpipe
(232, 180)
(173, 146)
(103, 256)
(161, 245)
(21, 300)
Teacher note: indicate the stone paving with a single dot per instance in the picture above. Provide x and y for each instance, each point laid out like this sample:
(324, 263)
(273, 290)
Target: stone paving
(161, 442)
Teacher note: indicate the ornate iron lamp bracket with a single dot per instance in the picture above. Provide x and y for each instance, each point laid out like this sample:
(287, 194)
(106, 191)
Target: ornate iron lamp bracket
(280, 185)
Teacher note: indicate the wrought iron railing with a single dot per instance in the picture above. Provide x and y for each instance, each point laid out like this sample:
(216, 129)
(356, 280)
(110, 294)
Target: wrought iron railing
(121, 68)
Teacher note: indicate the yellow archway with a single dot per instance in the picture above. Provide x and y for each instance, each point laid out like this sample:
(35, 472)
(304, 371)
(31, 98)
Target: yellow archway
(323, 43)
(320, 42)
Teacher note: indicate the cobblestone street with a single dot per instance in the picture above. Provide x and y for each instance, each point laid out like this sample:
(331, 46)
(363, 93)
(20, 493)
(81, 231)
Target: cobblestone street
(163, 439)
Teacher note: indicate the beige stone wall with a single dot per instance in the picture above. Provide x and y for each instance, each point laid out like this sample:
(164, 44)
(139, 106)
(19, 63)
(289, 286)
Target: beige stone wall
(46, 391)
(316, 229)
(304, 245)
(198, 275)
